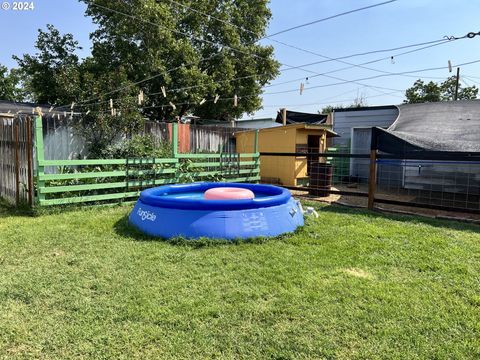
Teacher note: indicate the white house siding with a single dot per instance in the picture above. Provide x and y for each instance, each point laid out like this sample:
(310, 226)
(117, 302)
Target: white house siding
(357, 123)
(345, 120)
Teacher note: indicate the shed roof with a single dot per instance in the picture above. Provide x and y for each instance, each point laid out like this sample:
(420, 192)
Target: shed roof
(325, 128)
(295, 117)
(366, 108)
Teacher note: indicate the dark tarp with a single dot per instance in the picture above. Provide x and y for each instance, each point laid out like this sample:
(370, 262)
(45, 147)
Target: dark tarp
(451, 127)
(294, 117)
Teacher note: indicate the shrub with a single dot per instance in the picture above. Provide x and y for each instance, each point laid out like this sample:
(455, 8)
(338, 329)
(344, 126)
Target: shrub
(138, 147)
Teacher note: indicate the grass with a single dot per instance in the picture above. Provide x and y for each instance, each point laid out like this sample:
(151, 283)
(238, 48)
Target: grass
(351, 284)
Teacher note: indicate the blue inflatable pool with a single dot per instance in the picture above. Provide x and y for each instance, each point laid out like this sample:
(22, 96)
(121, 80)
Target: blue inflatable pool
(181, 210)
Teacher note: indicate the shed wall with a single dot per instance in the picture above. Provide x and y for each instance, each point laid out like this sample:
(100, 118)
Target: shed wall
(344, 121)
(272, 168)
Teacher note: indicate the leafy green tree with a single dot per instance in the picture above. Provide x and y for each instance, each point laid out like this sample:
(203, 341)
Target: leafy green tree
(432, 92)
(186, 52)
(51, 75)
(99, 124)
(54, 75)
(150, 37)
(359, 101)
(10, 85)
(464, 93)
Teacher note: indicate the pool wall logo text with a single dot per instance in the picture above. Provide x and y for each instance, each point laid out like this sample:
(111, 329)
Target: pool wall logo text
(146, 215)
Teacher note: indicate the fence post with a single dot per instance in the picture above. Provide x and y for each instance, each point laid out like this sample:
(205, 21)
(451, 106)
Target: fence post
(17, 166)
(372, 179)
(175, 139)
(257, 155)
(29, 162)
(255, 145)
(39, 151)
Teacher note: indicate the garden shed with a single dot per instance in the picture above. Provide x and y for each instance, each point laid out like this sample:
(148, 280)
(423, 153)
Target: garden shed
(294, 138)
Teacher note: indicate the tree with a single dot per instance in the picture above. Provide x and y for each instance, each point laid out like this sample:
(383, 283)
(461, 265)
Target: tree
(103, 125)
(432, 92)
(359, 101)
(51, 75)
(10, 85)
(464, 93)
(54, 75)
(193, 56)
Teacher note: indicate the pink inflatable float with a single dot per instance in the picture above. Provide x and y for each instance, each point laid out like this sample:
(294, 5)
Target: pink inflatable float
(228, 193)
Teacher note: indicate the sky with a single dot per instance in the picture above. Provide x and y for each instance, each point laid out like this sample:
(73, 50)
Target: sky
(402, 22)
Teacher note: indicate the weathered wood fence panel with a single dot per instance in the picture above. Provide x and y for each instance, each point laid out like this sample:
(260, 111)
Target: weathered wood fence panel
(62, 141)
(16, 164)
(205, 138)
(114, 180)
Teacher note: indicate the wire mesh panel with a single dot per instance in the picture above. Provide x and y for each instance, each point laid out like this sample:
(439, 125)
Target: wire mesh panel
(319, 174)
(436, 183)
(431, 183)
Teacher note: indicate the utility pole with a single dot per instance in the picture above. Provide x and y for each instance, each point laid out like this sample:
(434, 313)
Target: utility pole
(456, 85)
(284, 116)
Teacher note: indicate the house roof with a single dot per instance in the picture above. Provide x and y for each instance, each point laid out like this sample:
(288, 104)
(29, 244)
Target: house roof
(257, 119)
(295, 117)
(11, 108)
(366, 108)
(452, 126)
(326, 128)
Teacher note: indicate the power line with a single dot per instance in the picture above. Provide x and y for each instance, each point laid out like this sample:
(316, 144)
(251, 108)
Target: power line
(432, 43)
(268, 36)
(231, 98)
(139, 82)
(274, 40)
(364, 63)
(330, 17)
(207, 41)
(429, 44)
(283, 43)
(303, 78)
(228, 47)
(376, 76)
(326, 101)
(445, 39)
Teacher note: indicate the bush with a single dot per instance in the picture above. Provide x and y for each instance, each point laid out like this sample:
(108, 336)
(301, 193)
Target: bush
(138, 147)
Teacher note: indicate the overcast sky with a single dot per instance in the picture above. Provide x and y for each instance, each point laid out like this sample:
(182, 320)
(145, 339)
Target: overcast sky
(399, 23)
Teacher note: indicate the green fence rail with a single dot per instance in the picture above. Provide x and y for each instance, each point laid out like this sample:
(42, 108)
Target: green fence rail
(121, 180)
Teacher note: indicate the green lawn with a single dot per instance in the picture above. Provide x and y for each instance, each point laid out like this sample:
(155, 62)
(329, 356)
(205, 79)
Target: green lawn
(351, 284)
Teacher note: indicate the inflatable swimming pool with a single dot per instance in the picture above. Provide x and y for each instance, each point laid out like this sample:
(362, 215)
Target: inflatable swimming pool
(182, 210)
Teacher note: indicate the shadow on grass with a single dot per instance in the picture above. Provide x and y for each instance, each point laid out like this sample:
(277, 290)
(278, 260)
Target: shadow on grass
(449, 224)
(9, 210)
(124, 229)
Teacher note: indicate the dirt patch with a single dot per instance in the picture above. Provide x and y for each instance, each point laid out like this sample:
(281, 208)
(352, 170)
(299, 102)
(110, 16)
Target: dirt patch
(358, 273)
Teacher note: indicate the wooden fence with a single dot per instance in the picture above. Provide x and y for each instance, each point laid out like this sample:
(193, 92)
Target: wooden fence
(119, 180)
(16, 159)
(62, 140)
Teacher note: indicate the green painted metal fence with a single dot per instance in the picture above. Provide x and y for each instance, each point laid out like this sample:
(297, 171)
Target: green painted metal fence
(121, 180)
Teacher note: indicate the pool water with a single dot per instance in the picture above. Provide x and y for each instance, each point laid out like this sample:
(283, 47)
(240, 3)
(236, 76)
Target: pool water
(198, 195)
